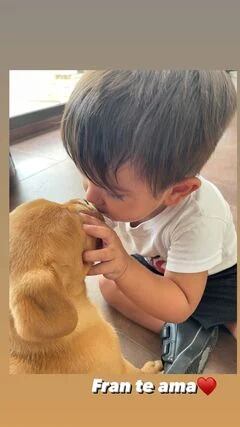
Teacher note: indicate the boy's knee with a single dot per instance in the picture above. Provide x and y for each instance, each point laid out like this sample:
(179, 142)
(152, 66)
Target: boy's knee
(108, 289)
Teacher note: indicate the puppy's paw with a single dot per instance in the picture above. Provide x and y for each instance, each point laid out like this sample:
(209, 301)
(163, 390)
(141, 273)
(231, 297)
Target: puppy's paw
(153, 367)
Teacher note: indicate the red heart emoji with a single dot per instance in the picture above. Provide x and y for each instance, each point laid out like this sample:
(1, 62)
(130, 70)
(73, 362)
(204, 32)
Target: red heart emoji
(207, 385)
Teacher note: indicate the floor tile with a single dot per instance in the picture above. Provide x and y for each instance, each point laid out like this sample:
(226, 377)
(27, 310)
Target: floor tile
(48, 145)
(28, 164)
(58, 183)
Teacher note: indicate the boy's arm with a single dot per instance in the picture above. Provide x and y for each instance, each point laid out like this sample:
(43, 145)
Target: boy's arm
(172, 297)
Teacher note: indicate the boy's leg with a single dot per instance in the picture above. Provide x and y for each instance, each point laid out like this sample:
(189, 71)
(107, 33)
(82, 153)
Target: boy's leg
(124, 305)
(185, 347)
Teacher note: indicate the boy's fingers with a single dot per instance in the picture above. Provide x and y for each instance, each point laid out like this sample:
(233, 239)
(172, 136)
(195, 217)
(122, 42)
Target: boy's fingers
(101, 268)
(89, 219)
(101, 232)
(97, 255)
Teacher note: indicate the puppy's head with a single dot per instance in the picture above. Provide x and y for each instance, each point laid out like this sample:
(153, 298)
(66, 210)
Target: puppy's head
(46, 267)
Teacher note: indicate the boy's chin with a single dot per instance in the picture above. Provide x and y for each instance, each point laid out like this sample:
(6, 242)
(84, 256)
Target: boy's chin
(120, 219)
(111, 217)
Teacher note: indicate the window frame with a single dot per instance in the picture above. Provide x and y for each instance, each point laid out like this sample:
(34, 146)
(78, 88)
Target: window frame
(28, 125)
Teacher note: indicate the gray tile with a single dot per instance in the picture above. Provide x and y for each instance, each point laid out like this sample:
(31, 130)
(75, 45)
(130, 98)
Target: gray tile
(134, 352)
(58, 183)
(28, 164)
(223, 360)
(48, 145)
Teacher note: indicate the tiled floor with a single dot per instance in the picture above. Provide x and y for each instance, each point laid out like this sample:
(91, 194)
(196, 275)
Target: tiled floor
(45, 171)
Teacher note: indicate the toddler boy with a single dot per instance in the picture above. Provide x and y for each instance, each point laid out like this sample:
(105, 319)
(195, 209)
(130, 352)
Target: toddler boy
(140, 139)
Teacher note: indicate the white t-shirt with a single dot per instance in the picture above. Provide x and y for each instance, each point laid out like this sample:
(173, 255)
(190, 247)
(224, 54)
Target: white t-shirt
(196, 235)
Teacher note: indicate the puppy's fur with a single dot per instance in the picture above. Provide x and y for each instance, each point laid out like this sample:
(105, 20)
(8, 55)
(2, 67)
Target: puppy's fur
(54, 328)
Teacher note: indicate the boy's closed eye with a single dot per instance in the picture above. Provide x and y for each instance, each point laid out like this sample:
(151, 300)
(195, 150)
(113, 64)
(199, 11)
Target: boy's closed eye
(116, 196)
(113, 195)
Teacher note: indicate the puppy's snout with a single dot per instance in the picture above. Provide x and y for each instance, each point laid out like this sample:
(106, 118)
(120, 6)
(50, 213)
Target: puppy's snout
(86, 202)
(89, 204)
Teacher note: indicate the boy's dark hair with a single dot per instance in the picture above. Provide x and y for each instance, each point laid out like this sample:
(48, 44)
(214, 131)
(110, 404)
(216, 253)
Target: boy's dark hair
(166, 124)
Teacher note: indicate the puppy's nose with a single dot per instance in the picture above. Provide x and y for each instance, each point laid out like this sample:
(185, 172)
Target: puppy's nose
(91, 205)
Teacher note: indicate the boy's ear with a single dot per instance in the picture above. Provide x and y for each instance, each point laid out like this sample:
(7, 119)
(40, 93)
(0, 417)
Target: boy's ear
(40, 307)
(179, 191)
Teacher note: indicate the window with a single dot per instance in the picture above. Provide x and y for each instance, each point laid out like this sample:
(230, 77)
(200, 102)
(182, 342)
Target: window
(37, 99)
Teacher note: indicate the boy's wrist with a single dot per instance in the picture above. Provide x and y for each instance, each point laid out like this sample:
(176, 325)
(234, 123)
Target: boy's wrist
(125, 269)
(125, 276)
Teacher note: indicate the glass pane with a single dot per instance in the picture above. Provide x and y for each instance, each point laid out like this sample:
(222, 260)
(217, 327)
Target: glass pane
(32, 90)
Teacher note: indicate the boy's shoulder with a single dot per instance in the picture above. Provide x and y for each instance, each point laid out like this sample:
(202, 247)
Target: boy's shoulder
(208, 201)
(204, 204)
(205, 209)
(201, 209)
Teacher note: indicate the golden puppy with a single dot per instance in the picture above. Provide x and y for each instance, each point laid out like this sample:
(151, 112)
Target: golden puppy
(54, 328)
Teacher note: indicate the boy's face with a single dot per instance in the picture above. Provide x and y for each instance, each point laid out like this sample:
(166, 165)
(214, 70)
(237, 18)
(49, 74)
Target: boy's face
(134, 202)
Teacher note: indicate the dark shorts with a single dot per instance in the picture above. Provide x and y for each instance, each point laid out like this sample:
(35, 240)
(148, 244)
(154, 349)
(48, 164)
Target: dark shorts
(219, 301)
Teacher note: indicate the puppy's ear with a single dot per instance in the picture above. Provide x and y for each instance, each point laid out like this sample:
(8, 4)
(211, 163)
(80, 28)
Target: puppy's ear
(41, 308)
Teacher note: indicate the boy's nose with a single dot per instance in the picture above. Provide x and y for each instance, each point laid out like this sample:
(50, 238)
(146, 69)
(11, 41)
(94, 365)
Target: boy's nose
(93, 195)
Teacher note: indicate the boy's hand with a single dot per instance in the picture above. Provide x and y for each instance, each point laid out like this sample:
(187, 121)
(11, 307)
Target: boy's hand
(113, 259)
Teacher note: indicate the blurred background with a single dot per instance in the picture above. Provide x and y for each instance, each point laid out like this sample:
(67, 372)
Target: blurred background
(37, 97)
(40, 168)
(32, 90)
